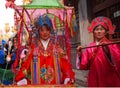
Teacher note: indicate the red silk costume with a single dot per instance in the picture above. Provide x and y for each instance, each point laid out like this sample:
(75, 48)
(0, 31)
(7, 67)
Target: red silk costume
(46, 72)
(102, 71)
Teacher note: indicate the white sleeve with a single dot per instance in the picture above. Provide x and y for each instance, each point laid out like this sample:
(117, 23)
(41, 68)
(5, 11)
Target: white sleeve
(22, 82)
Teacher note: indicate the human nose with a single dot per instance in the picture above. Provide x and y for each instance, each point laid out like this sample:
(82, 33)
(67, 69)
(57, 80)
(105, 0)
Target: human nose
(45, 31)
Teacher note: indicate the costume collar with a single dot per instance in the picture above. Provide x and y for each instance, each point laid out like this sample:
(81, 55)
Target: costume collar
(45, 43)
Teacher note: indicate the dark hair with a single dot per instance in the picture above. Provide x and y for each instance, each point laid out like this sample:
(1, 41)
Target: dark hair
(48, 28)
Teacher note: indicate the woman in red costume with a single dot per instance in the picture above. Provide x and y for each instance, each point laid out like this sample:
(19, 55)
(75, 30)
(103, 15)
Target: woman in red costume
(46, 62)
(103, 62)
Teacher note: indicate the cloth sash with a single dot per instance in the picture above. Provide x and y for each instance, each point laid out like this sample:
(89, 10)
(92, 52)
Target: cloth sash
(35, 70)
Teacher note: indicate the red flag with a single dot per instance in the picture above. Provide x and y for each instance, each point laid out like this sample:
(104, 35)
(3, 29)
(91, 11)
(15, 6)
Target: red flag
(67, 36)
(15, 64)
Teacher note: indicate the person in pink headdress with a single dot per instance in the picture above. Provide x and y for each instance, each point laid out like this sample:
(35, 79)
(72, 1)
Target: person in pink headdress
(103, 62)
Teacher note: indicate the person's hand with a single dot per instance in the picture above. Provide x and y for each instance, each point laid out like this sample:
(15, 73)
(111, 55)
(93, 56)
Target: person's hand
(103, 43)
(8, 58)
(22, 82)
(79, 52)
(68, 81)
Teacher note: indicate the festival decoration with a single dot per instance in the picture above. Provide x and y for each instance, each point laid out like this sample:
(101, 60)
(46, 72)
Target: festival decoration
(26, 2)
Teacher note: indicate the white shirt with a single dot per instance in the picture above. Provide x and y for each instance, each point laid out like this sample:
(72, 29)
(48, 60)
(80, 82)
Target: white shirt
(45, 43)
(97, 43)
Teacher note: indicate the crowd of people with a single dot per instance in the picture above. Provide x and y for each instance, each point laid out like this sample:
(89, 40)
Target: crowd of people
(44, 61)
(7, 57)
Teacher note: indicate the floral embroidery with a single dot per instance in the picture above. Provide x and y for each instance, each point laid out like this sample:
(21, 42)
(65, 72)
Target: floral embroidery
(47, 74)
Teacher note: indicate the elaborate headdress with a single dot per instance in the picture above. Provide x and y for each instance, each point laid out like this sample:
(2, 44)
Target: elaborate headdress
(43, 20)
(104, 21)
